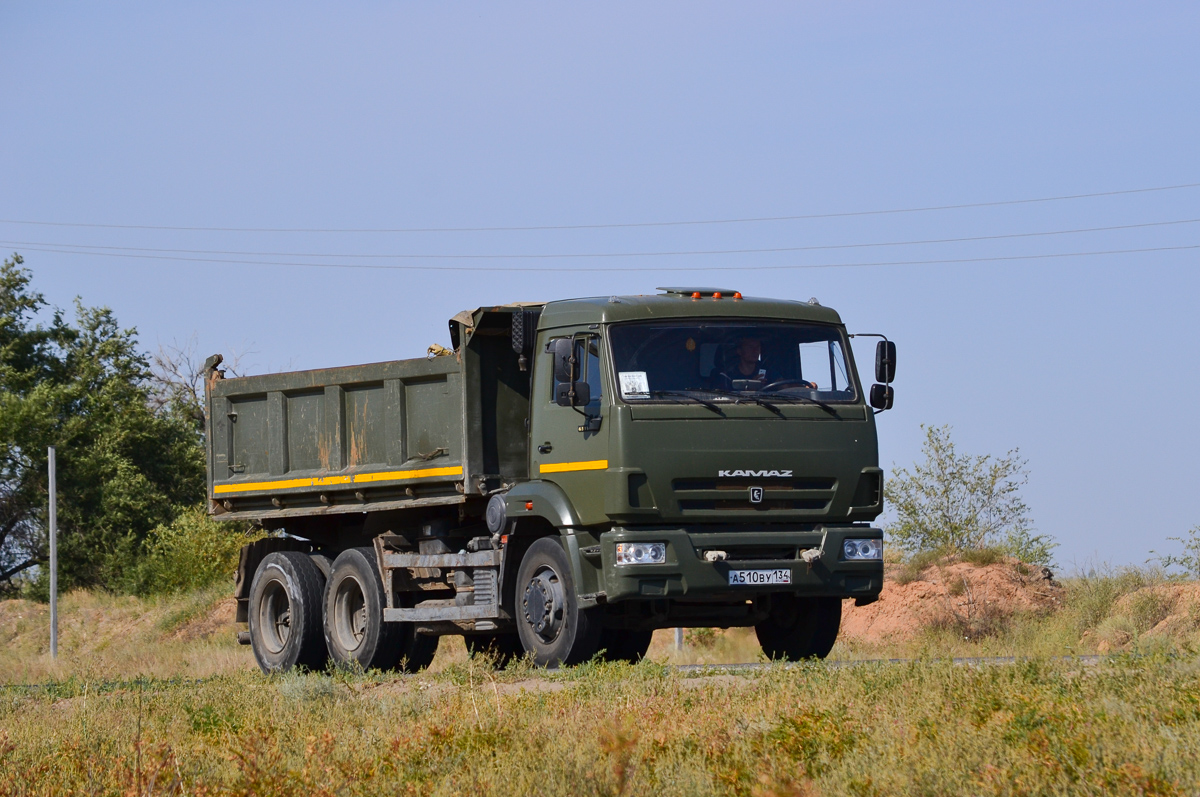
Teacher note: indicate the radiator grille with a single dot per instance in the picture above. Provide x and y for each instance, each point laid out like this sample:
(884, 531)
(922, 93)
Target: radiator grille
(811, 504)
(807, 494)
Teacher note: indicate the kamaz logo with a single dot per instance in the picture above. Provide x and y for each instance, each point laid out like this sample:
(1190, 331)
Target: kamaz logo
(756, 474)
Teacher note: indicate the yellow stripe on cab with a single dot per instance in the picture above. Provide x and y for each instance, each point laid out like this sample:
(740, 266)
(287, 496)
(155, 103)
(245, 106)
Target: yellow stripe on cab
(567, 467)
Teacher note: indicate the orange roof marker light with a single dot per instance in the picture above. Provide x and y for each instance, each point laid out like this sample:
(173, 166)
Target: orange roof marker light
(699, 293)
(736, 295)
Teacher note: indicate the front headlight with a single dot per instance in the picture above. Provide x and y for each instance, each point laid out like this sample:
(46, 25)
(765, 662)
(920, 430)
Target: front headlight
(641, 553)
(862, 549)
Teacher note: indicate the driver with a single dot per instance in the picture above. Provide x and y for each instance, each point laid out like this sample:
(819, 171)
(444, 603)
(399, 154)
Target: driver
(749, 365)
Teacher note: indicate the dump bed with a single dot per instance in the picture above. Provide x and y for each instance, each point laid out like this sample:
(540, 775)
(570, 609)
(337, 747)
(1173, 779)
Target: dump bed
(409, 433)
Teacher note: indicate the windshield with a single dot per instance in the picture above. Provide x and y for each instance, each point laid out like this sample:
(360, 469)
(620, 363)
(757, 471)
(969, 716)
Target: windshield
(731, 359)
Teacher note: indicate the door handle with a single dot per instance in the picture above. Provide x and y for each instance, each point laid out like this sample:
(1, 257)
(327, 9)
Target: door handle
(545, 448)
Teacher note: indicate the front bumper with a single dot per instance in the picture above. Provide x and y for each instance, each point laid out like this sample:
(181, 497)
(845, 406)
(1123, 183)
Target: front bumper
(686, 573)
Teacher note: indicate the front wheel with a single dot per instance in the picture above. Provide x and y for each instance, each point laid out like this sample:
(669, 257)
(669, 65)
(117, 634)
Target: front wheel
(800, 628)
(550, 622)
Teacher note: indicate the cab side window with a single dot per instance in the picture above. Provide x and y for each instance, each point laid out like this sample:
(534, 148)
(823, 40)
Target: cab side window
(823, 364)
(587, 354)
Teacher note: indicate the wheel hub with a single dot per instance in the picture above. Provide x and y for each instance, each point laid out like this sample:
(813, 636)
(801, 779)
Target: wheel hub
(349, 614)
(275, 617)
(543, 604)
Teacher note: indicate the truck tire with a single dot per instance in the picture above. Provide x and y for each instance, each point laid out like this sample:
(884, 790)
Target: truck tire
(355, 631)
(618, 644)
(285, 613)
(417, 651)
(502, 648)
(800, 628)
(550, 622)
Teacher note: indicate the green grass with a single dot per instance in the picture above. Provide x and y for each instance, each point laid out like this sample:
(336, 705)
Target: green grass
(202, 720)
(918, 563)
(981, 557)
(1131, 726)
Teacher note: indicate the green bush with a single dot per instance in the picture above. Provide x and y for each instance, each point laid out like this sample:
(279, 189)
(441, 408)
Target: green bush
(959, 502)
(191, 552)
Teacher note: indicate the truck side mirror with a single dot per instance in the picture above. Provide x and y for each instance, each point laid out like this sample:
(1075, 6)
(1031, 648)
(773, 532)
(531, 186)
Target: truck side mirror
(564, 352)
(582, 391)
(885, 361)
(881, 396)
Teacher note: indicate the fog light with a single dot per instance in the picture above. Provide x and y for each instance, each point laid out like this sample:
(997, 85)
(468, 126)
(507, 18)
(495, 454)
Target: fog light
(641, 553)
(863, 549)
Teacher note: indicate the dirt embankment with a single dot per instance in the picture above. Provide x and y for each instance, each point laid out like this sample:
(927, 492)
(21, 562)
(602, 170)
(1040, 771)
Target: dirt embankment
(971, 599)
(218, 619)
(1158, 612)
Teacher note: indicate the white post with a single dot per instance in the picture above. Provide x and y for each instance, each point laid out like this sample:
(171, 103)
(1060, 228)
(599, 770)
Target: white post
(679, 639)
(53, 558)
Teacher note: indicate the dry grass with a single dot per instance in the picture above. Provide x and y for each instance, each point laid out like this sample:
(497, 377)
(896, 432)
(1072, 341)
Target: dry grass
(1129, 727)
(202, 720)
(106, 636)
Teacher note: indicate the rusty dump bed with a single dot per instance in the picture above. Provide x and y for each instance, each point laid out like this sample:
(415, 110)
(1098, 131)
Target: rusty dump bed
(414, 433)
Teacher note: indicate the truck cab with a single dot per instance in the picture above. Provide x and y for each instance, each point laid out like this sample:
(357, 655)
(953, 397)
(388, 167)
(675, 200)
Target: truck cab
(620, 464)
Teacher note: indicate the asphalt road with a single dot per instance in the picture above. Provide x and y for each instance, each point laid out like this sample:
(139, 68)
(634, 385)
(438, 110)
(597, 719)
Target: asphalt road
(974, 661)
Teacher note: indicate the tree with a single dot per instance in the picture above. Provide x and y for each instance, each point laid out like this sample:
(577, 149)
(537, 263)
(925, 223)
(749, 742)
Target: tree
(177, 379)
(960, 502)
(1189, 560)
(125, 465)
(27, 365)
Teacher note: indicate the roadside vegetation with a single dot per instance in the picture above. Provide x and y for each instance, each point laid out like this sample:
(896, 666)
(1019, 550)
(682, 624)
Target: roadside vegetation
(1128, 726)
(964, 504)
(152, 695)
(128, 430)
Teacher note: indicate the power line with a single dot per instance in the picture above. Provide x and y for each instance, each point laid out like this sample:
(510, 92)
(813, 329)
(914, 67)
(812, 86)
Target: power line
(532, 228)
(566, 256)
(792, 267)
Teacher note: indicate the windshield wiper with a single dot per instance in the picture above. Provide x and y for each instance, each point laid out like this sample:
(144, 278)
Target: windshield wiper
(696, 399)
(738, 398)
(806, 399)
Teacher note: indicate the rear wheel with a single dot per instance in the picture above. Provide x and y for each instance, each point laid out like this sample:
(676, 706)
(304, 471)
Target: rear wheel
(285, 613)
(550, 622)
(501, 648)
(354, 628)
(800, 628)
(418, 650)
(619, 644)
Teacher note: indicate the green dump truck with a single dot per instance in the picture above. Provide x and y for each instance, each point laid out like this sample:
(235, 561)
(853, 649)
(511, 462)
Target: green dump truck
(567, 478)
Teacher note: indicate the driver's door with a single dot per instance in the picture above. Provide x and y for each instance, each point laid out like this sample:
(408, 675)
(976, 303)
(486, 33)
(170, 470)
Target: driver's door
(569, 445)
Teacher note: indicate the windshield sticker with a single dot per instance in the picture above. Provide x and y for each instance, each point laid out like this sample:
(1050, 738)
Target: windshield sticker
(634, 384)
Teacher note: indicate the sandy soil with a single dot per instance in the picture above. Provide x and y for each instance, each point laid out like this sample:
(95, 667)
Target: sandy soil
(950, 593)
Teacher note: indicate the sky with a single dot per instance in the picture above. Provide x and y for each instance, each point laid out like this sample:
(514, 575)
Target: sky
(325, 134)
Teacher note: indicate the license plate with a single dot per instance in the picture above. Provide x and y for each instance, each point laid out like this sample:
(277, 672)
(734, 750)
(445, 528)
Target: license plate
(760, 577)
